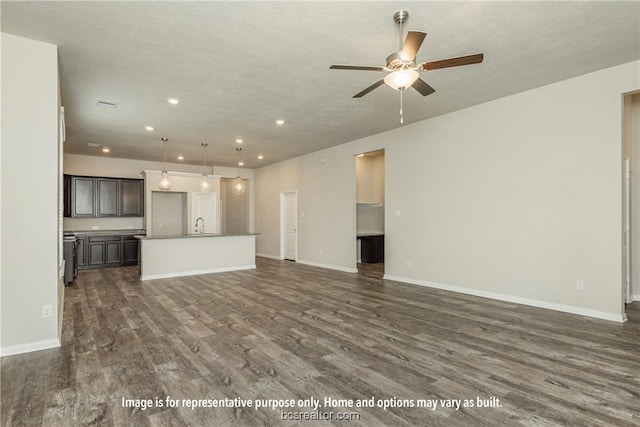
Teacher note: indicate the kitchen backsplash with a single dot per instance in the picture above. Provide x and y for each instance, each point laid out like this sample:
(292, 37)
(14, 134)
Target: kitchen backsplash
(73, 224)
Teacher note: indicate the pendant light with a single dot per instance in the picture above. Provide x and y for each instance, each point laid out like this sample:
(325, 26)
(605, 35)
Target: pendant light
(238, 185)
(205, 185)
(165, 182)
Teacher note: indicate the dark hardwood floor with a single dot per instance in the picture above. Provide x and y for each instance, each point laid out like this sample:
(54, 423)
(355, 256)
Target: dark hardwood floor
(289, 331)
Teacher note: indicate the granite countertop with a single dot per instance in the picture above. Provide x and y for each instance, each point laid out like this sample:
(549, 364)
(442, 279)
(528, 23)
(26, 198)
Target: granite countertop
(125, 232)
(196, 235)
(370, 234)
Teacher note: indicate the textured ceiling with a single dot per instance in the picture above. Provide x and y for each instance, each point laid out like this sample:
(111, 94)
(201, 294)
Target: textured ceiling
(238, 66)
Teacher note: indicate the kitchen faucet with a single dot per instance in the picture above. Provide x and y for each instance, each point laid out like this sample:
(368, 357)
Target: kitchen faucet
(202, 229)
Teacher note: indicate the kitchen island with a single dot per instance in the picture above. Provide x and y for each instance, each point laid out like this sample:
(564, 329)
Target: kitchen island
(191, 254)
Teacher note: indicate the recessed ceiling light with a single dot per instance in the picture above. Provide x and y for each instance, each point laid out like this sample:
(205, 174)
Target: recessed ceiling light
(148, 127)
(279, 122)
(239, 141)
(240, 163)
(106, 149)
(180, 157)
(260, 157)
(173, 101)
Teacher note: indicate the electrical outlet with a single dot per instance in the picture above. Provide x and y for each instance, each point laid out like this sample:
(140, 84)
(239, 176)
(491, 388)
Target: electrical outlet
(580, 285)
(46, 311)
(408, 262)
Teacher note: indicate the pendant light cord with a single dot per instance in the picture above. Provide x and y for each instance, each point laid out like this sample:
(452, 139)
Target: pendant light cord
(164, 154)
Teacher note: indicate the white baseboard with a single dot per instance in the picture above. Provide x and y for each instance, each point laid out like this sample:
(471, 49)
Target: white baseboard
(510, 298)
(29, 347)
(268, 256)
(329, 266)
(197, 272)
(635, 298)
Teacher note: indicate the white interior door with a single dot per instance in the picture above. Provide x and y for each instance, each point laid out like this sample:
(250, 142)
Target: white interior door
(290, 226)
(626, 241)
(205, 206)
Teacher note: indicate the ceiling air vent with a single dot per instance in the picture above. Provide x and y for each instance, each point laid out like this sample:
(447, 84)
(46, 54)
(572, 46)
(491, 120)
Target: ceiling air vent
(107, 104)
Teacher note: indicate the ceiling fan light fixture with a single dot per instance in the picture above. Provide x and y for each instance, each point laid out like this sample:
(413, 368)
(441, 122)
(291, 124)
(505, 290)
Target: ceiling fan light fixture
(401, 79)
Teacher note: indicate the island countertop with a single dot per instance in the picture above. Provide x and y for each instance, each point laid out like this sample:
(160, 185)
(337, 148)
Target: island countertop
(185, 255)
(192, 235)
(103, 232)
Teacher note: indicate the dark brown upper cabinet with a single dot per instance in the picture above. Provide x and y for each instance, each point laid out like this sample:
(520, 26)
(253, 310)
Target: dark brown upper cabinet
(86, 196)
(131, 197)
(83, 196)
(108, 192)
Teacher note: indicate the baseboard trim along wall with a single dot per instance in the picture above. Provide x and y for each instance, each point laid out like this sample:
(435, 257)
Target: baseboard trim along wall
(268, 256)
(29, 347)
(510, 298)
(636, 297)
(194, 273)
(329, 266)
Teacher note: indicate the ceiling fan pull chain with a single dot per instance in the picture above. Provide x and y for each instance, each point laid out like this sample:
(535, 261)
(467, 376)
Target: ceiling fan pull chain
(401, 118)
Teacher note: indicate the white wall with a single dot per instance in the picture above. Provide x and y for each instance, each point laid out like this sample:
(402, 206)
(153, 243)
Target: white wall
(370, 179)
(516, 199)
(326, 207)
(169, 213)
(125, 168)
(29, 194)
(370, 193)
(235, 208)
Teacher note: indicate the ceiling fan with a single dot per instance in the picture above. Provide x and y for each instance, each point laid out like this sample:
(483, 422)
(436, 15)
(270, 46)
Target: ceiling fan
(402, 67)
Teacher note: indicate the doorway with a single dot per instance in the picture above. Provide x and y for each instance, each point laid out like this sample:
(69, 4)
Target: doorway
(289, 225)
(631, 200)
(370, 197)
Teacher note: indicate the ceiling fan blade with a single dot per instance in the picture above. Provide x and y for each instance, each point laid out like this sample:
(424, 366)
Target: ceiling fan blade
(355, 67)
(412, 44)
(453, 62)
(422, 87)
(369, 89)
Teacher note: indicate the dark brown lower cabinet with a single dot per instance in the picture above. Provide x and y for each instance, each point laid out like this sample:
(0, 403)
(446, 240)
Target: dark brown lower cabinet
(106, 251)
(129, 251)
(81, 251)
(372, 249)
(96, 253)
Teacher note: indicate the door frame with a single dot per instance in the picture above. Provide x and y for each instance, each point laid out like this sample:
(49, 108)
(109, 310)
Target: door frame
(626, 235)
(283, 222)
